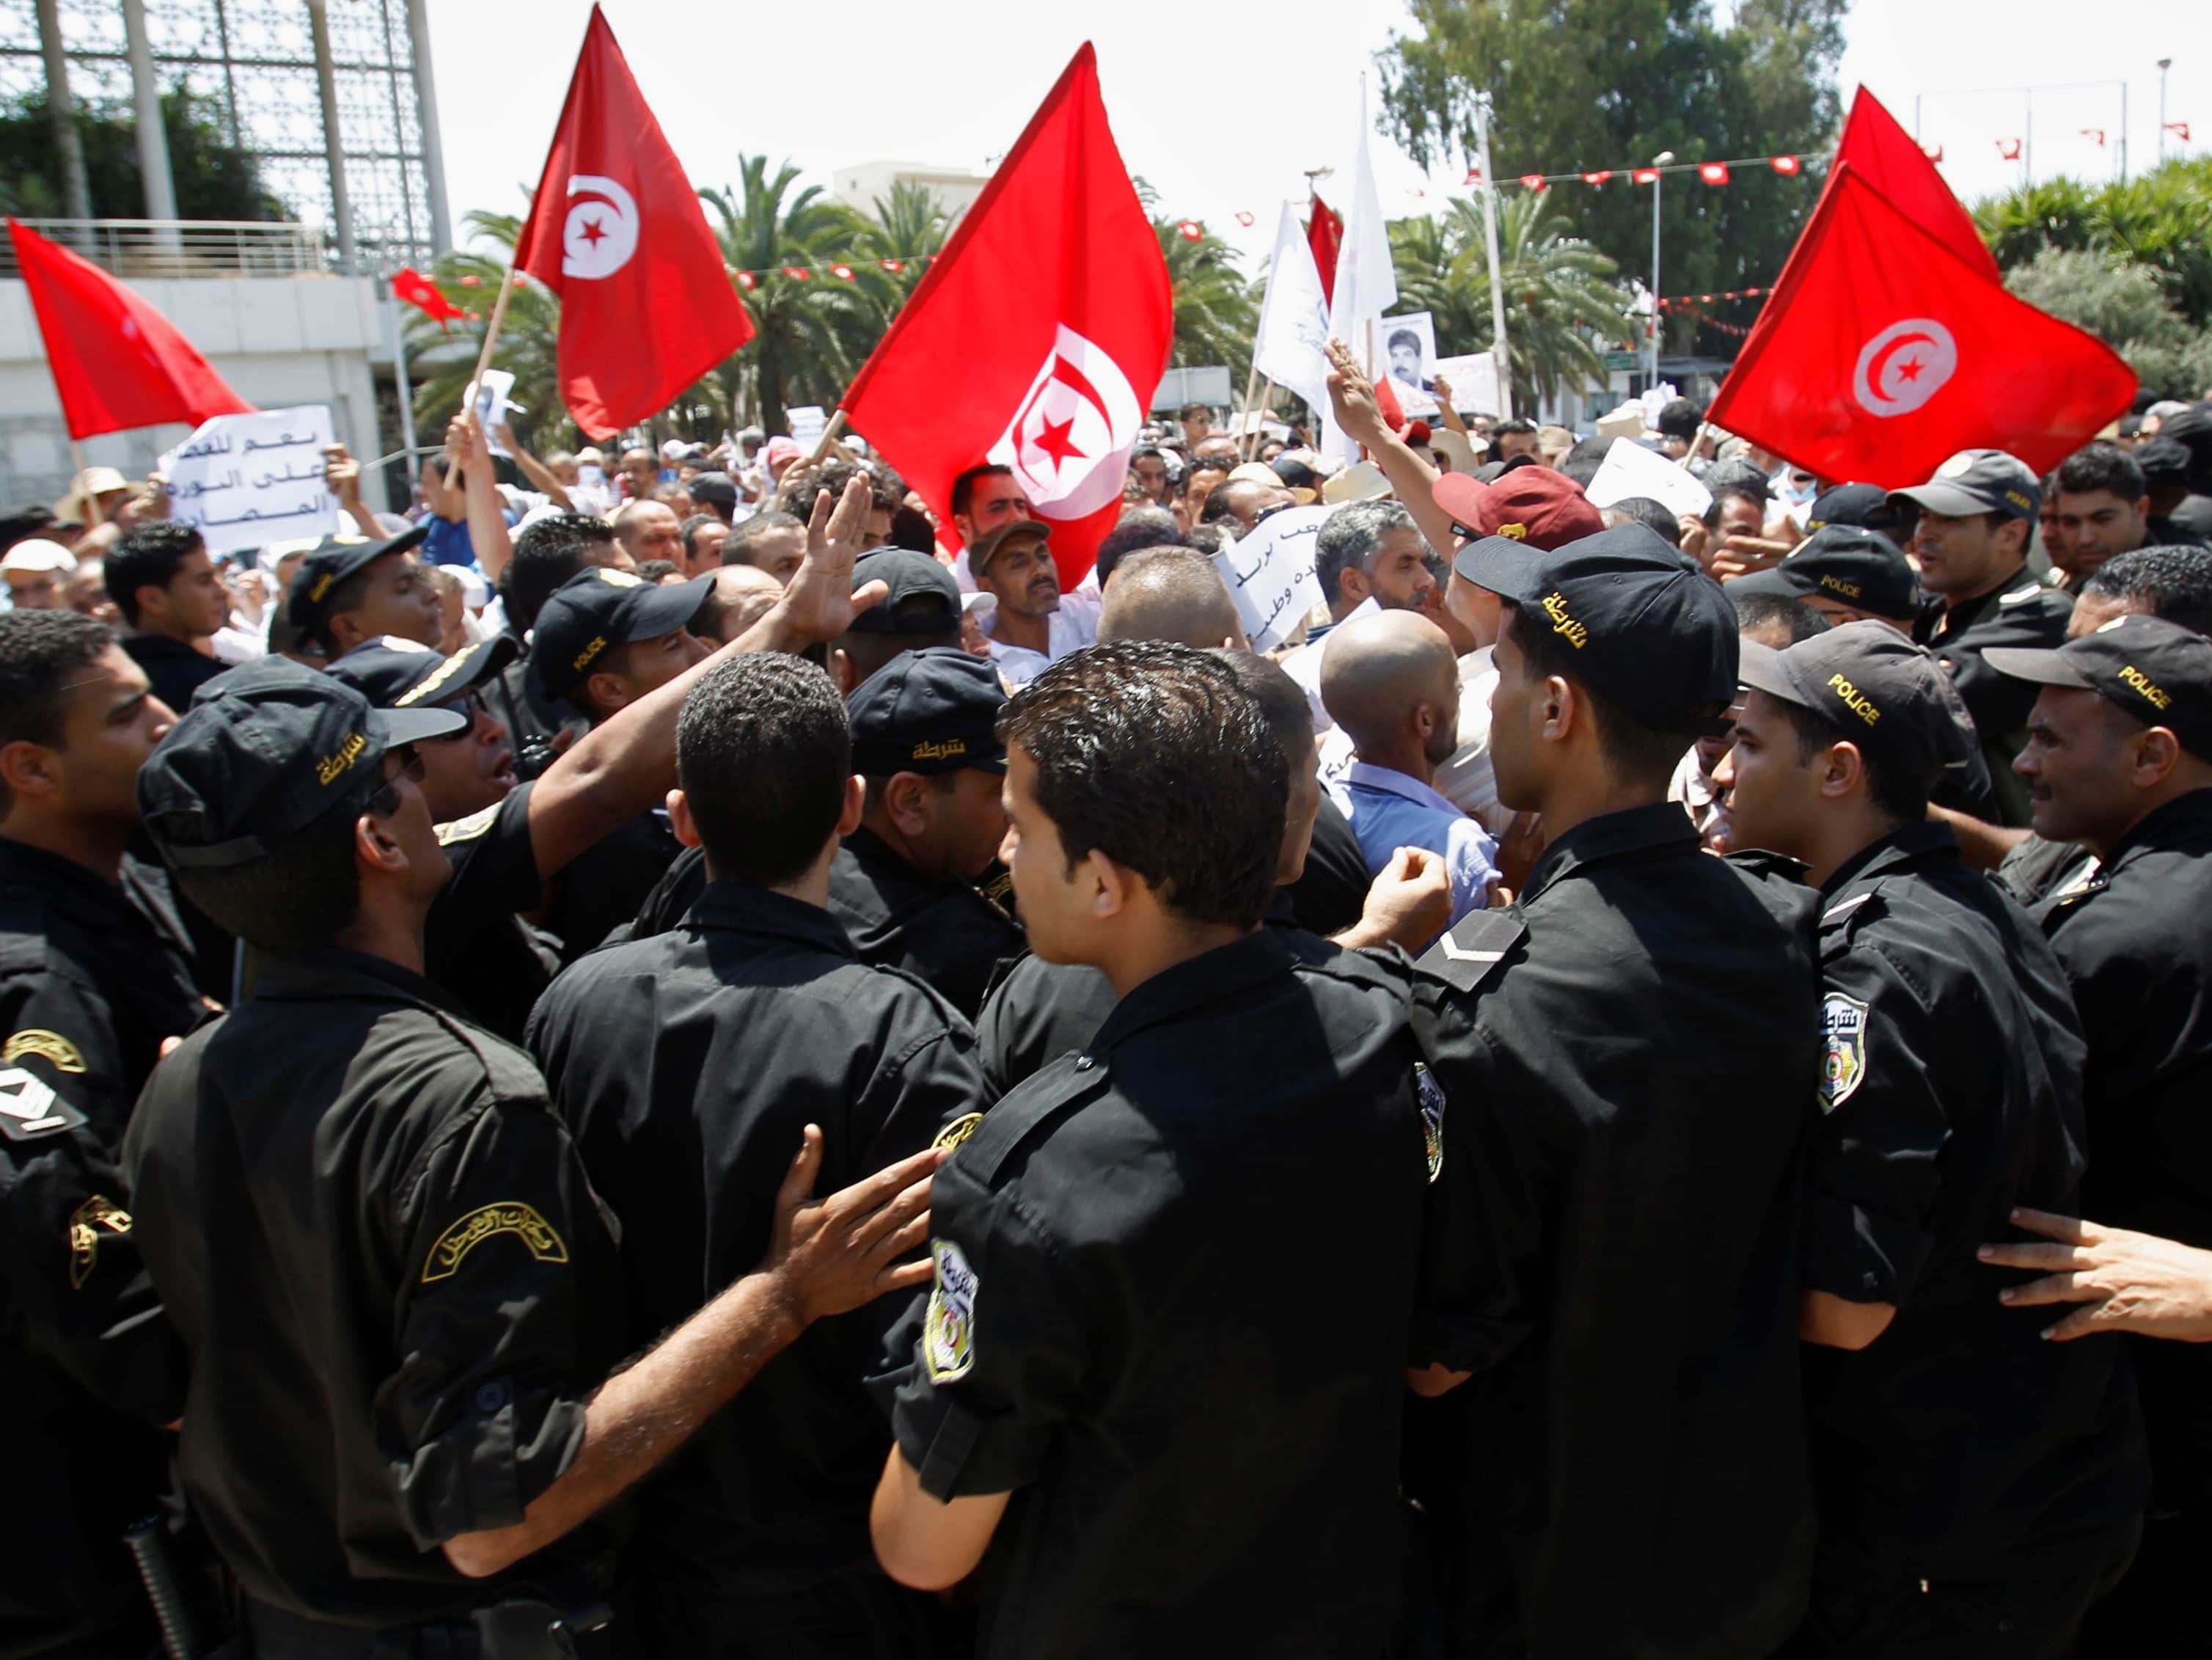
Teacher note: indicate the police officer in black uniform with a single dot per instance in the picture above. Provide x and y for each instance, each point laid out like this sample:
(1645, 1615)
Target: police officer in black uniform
(1180, 1447)
(2120, 759)
(921, 611)
(399, 1293)
(349, 590)
(1975, 517)
(88, 993)
(1978, 1487)
(546, 554)
(1614, 1248)
(761, 1527)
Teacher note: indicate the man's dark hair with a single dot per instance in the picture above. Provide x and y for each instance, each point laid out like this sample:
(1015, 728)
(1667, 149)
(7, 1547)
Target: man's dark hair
(1652, 515)
(146, 556)
(738, 548)
(1116, 730)
(762, 751)
(652, 571)
(1898, 797)
(1637, 752)
(23, 524)
(1347, 540)
(2176, 583)
(1500, 430)
(1582, 462)
(547, 553)
(1732, 488)
(299, 895)
(1283, 702)
(963, 484)
(2101, 467)
(1141, 527)
(886, 489)
(1190, 409)
(1680, 418)
(40, 653)
(1218, 508)
(1406, 335)
(691, 526)
(1797, 618)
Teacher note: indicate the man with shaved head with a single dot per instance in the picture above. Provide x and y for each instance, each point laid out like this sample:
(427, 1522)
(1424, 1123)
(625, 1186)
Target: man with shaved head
(1390, 680)
(1170, 593)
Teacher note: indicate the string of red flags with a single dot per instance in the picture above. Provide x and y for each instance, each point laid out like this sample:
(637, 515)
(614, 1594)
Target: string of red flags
(1709, 173)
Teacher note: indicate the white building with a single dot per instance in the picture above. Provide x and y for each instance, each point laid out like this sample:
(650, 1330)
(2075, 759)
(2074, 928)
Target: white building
(863, 186)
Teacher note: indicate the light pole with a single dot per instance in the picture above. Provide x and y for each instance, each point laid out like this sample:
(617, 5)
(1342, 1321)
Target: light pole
(1657, 181)
(2164, 65)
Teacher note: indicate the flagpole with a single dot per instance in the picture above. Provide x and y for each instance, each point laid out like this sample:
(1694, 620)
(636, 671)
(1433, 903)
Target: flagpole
(400, 386)
(831, 429)
(491, 333)
(1251, 385)
(1258, 432)
(77, 487)
(1498, 349)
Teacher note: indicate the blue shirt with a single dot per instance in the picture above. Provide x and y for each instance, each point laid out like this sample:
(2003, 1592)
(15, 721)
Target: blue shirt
(1391, 810)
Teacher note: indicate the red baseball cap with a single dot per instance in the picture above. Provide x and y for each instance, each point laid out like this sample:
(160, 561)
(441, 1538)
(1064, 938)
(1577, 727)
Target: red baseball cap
(1536, 505)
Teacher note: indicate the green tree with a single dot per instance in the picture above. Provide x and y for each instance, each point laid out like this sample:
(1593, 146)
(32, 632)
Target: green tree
(2160, 220)
(2125, 306)
(1217, 309)
(444, 359)
(1584, 85)
(214, 178)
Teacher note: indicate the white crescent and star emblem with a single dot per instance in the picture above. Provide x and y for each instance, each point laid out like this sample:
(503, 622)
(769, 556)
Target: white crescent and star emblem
(1071, 436)
(601, 234)
(1903, 365)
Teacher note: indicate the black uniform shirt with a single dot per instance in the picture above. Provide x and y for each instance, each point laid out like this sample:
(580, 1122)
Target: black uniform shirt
(758, 995)
(1622, 1176)
(1200, 1432)
(396, 1285)
(175, 670)
(88, 992)
(2018, 611)
(601, 888)
(2036, 870)
(1332, 890)
(2136, 941)
(475, 945)
(1958, 1444)
(943, 933)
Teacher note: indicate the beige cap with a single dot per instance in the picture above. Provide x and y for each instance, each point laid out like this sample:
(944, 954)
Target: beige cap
(1361, 482)
(1454, 448)
(93, 481)
(36, 554)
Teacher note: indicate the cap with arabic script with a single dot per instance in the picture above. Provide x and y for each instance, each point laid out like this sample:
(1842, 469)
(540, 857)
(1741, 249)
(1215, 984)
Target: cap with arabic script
(929, 711)
(2159, 672)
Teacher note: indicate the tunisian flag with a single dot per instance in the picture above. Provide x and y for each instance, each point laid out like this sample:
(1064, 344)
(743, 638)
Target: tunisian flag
(117, 362)
(1887, 157)
(615, 230)
(1038, 339)
(1881, 352)
(418, 290)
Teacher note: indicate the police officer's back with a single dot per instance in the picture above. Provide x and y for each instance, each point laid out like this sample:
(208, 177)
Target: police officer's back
(1182, 1447)
(1969, 1472)
(88, 995)
(1614, 1247)
(686, 1064)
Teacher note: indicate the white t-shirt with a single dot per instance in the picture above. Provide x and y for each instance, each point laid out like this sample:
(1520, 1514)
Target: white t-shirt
(1071, 628)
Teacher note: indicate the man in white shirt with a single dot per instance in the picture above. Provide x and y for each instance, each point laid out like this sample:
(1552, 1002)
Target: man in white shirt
(1033, 624)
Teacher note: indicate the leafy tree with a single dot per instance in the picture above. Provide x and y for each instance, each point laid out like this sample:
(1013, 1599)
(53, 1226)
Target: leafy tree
(2125, 306)
(2160, 220)
(1216, 310)
(1582, 85)
(214, 178)
(445, 358)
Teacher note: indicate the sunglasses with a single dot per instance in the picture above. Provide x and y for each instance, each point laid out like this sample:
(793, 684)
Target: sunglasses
(468, 706)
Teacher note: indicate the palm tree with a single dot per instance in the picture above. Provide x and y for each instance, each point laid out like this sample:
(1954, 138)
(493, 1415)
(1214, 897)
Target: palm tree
(1217, 311)
(2157, 220)
(529, 339)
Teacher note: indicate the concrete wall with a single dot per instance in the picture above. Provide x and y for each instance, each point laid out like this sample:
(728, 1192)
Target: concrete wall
(277, 340)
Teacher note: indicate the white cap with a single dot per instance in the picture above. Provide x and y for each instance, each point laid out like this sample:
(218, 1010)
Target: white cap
(38, 555)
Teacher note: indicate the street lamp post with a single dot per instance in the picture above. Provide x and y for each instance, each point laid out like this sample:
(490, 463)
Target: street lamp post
(1657, 181)
(2164, 65)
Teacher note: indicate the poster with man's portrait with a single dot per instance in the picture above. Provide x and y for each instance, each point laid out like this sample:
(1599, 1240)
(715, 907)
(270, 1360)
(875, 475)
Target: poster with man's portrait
(1409, 354)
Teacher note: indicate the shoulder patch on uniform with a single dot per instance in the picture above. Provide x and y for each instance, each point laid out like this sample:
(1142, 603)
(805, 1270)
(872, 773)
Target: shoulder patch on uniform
(1431, 1096)
(1473, 951)
(2022, 595)
(948, 1328)
(49, 1046)
(85, 1226)
(508, 1216)
(468, 829)
(1837, 912)
(956, 1132)
(1844, 1049)
(29, 1108)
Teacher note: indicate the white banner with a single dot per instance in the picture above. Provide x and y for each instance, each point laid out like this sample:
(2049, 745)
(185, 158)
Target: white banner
(492, 405)
(1629, 470)
(1270, 573)
(1292, 348)
(1473, 379)
(243, 481)
(807, 422)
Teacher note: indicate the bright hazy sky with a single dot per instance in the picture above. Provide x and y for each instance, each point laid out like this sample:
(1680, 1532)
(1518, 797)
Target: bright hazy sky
(950, 84)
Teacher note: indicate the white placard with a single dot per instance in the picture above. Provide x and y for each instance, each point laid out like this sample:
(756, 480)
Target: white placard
(1270, 573)
(246, 480)
(492, 404)
(808, 423)
(1406, 348)
(1629, 470)
(1473, 380)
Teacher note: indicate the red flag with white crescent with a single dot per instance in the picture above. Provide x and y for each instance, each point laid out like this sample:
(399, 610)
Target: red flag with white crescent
(617, 231)
(1038, 336)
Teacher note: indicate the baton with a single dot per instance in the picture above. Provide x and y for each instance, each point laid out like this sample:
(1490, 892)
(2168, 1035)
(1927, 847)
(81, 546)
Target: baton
(149, 1548)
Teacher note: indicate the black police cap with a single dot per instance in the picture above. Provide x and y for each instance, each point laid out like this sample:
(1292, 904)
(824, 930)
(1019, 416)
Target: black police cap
(266, 751)
(2159, 672)
(923, 598)
(1649, 630)
(2165, 461)
(328, 563)
(1888, 695)
(934, 710)
(1861, 569)
(718, 488)
(396, 674)
(600, 608)
(1867, 506)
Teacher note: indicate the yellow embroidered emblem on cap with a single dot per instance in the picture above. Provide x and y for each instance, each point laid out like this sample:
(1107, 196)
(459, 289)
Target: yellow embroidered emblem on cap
(1849, 590)
(944, 749)
(84, 1225)
(430, 683)
(956, 1132)
(599, 644)
(331, 767)
(508, 1216)
(620, 579)
(1514, 532)
(48, 1046)
(1563, 623)
(1854, 700)
(322, 587)
(2132, 676)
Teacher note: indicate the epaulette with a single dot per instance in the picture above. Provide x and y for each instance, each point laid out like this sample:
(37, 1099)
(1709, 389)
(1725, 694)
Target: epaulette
(1476, 948)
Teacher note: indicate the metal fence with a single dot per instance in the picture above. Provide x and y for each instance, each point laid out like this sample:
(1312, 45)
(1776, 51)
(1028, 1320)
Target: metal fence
(183, 248)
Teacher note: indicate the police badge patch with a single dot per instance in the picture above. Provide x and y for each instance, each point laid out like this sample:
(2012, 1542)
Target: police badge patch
(948, 1327)
(1843, 1040)
(1430, 1095)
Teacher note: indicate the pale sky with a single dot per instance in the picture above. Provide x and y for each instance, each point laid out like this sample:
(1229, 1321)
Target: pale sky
(1223, 117)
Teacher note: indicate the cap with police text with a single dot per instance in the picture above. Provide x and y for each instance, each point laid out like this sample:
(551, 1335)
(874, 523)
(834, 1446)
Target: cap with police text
(1861, 569)
(1886, 694)
(2159, 672)
(1979, 481)
(329, 563)
(934, 710)
(1537, 505)
(923, 598)
(394, 673)
(1649, 630)
(1867, 506)
(263, 752)
(598, 608)
(985, 547)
